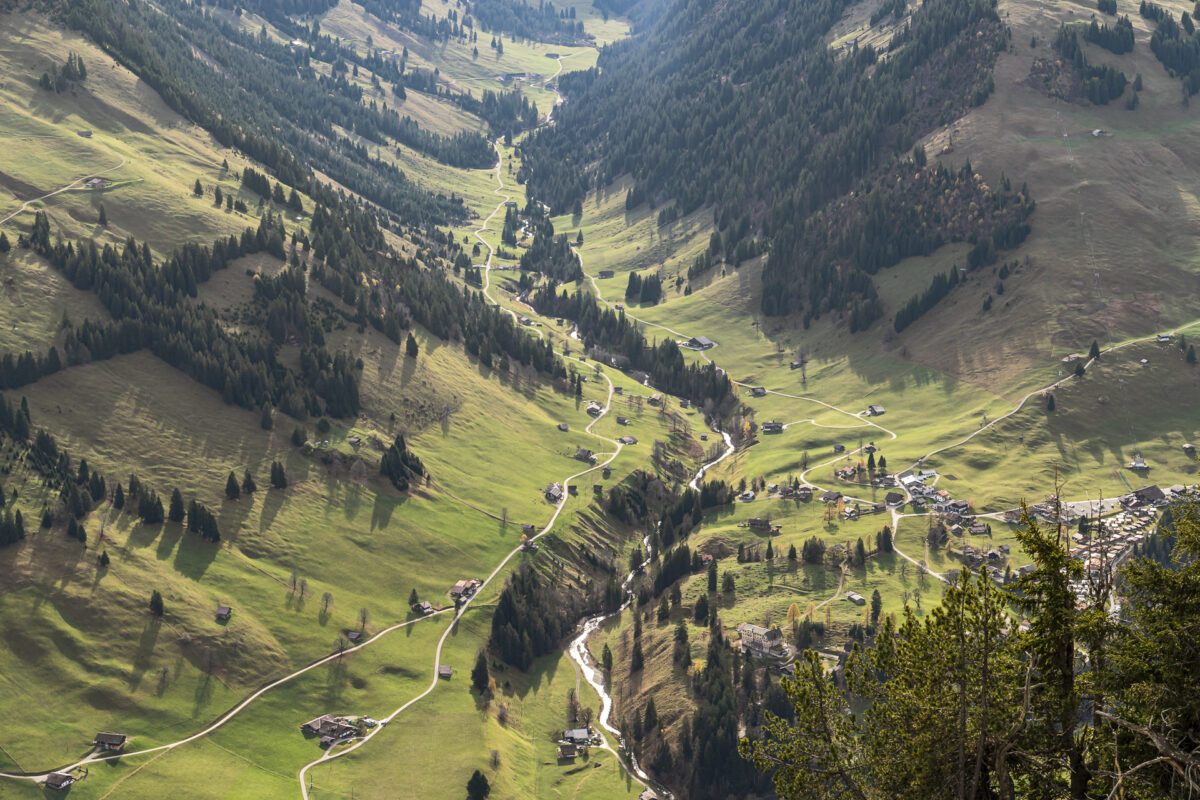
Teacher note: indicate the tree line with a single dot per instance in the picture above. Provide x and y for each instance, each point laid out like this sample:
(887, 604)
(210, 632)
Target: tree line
(264, 101)
(616, 335)
(1175, 44)
(551, 255)
(1100, 84)
(533, 615)
(150, 307)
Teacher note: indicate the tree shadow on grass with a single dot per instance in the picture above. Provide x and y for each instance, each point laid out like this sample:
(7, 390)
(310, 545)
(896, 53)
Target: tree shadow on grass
(385, 505)
(145, 649)
(270, 509)
(194, 556)
(335, 681)
(141, 535)
(203, 694)
(232, 516)
(172, 533)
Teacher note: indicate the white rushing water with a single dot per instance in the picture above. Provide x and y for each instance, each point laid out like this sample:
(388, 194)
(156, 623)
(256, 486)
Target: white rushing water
(579, 653)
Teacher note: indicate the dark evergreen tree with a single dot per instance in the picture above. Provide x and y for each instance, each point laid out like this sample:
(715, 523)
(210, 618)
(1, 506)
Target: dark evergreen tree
(636, 659)
(410, 346)
(399, 464)
(248, 484)
(175, 513)
(478, 787)
(156, 603)
(232, 490)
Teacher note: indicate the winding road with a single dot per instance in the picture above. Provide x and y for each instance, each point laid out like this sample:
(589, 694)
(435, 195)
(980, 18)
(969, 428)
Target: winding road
(578, 646)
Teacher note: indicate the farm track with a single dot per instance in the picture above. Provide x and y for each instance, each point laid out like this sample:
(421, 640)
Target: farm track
(68, 187)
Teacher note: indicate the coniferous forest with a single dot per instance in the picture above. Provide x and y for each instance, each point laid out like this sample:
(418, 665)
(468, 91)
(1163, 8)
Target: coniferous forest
(839, 122)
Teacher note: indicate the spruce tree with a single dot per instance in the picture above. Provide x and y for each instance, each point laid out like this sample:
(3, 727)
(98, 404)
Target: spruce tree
(606, 658)
(265, 421)
(412, 598)
(712, 575)
(156, 604)
(119, 498)
(1094, 351)
(103, 217)
(636, 659)
(175, 513)
(248, 484)
(1191, 354)
(478, 787)
(876, 606)
(651, 717)
(198, 189)
(4, 245)
(278, 476)
(410, 346)
(232, 490)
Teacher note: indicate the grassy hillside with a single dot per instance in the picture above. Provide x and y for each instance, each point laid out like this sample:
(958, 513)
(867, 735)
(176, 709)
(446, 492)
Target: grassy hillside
(338, 527)
(1110, 258)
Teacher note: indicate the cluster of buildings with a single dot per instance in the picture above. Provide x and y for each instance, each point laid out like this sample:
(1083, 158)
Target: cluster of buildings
(850, 509)
(573, 742)
(1111, 539)
(925, 495)
(760, 524)
(330, 730)
(465, 588)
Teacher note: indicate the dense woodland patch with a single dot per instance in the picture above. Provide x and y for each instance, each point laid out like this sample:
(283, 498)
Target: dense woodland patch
(743, 107)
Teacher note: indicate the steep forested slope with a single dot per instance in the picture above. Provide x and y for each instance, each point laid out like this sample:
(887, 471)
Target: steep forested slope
(743, 107)
(268, 99)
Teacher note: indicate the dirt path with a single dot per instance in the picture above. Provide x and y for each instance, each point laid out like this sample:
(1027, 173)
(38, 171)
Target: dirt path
(339, 752)
(72, 185)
